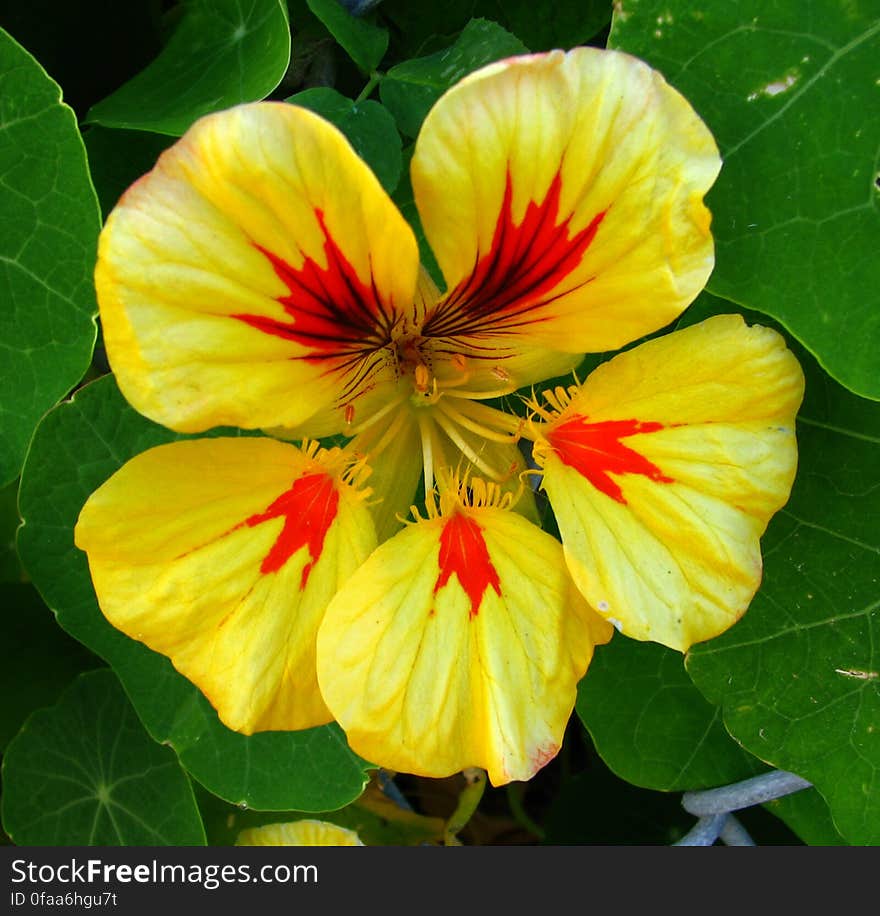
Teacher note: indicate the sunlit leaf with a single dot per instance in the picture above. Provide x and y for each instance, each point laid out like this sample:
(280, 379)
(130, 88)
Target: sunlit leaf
(788, 90)
(222, 52)
(49, 223)
(368, 126)
(85, 773)
(78, 446)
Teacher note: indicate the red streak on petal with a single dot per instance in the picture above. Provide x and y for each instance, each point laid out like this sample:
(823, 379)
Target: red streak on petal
(308, 509)
(463, 551)
(595, 451)
(332, 312)
(543, 754)
(525, 263)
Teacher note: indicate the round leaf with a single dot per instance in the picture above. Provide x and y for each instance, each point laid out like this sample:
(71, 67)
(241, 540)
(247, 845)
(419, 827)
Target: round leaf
(799, 675)
(49, 224)
(787, 89)
(222, 52)
(651, 725)
(85, 773)
(806, 813)
(75, 449)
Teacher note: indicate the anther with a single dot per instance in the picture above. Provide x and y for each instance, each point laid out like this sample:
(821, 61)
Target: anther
(422, 378)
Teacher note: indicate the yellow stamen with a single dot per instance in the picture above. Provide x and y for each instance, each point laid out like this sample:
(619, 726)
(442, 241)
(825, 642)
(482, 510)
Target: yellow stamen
(426, 433)
(473, 457)
(374, 418)
(458, 415)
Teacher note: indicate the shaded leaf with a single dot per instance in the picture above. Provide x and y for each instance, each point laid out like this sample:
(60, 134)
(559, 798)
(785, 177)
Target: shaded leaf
(368, 126)
(363, 41)
(76, 448)
(595, 807)
(786, 89)
(11, 569)
(85, 773)
(405, 201)
(409, 89)
(806, 813)
(49, 223)
(117, 158)
(222, 52)
(37, 658)
(652, 726)
(566, 24)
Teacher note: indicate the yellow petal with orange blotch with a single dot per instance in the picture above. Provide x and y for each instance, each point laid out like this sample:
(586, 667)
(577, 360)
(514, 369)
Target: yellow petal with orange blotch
(253, 276)
(663, 471)
(307, 832)
(459, 643)
(223, 554)
(562, 194)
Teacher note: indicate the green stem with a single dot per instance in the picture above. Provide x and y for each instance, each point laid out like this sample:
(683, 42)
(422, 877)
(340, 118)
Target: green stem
(375, 79)
(475, 784)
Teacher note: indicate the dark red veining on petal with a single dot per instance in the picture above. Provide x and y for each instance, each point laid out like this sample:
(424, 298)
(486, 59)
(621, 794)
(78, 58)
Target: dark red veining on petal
(595, 451)
(463, 552)
(332, 312)
(308, 509)
(516, 276)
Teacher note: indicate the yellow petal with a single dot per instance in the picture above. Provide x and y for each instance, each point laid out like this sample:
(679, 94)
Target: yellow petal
(249, 279)
(307, 832)
(223, 554)
(459, 643)
(562, 196)
(664, 470)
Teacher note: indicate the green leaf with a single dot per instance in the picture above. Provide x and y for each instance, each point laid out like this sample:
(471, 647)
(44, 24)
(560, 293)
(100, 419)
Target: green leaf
(363, 41)
(85, 773)
(405, 200)
(11, 569)
(806, 813)
(37, 658)
(117, 158)
(799, 676)
(222, 52)
(368, 125)
(566, 24)
(411, 88)
(49, 224)
(651, 725)
(75, 449)
(787, 90)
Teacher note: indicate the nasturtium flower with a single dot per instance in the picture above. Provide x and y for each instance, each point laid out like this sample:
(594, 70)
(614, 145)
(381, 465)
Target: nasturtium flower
(306, 832)
(260, 277)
